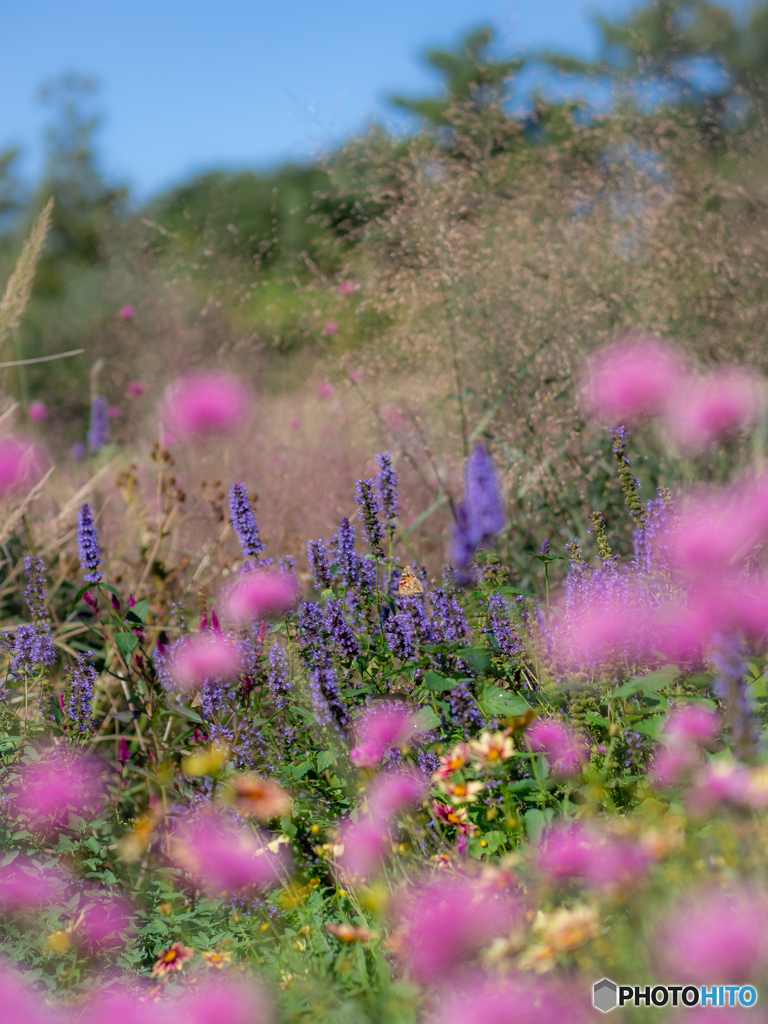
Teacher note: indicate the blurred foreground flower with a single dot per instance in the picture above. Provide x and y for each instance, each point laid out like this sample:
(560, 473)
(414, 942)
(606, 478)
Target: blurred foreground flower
(380, 729)
(47, 792)
(514, 1001)
(24, 885)
(136, 388)
(20, 1003)
(206, 403)
(127, 313)
(38, 411)
(708, 408)
(261, 595)
(480, 516)
(631, 378)
(230, 1001)
(566, 751)
(260, 798)
(599, 861)
(224, 857)
(204, 658)
(103, 924)
(21, 465)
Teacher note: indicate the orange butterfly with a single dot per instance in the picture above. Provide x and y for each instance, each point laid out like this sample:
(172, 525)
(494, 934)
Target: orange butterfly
(410, 584)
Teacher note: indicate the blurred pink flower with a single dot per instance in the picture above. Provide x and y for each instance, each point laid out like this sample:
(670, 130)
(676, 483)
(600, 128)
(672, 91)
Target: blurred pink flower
(260, 595)
(602, 862)
(136, 388)
(516, 1000)
(125, 1006)
(356, 375)
(169, 440)
(711, 533)
(206, 403)
(38, 411)
(23, 886)
(389, 726)
(21, 464)
(348, 288)
(447, 923)
(673, 766)
(720, 782)
(630, 379)
(692, 725)
(294, 423)
(708, 408)
(716, 934)
(567, 753)
(205, 657)
(331, 328)
(20, 1003)
(103, 924)
(127, 313)
(392, 417)
(710, 616)
(325, 390)
(225, 858)
(113, 412)
(231, 1001)
(52, 788)
(598, 630)
(365, 845)
(391, 794)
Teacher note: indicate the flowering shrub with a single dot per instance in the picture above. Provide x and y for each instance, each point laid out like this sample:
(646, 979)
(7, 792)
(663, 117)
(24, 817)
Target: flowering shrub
(443, 799)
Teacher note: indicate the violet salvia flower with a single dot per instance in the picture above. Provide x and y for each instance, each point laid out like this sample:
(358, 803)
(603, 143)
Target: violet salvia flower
(369, 576)
(318, 564)
(326, 698)
(340, 631)
(386, 480)
(370, 506)
(310, 634)
(346, 556)
(545, 548)
(449, 620)
(480, 516)
(400, 635)
(465, 712)
(500, 629)
(278, 680)
(35, 594)
(244, 521)
(88, 543)
(98, 431)
(79, 687)
(31, 647)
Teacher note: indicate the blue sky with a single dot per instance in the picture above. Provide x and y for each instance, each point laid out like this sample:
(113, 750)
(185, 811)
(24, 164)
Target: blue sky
(187, 85)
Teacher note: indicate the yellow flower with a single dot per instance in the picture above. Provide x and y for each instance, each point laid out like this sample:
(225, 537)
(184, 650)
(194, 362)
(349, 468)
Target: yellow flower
(492, 747)
(171, 960)
(206, 762)
(219, 960)
(460, 792)
(453, 762)
(564, 929)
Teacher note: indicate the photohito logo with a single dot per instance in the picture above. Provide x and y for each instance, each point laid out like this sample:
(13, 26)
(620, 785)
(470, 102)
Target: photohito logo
(607, 995)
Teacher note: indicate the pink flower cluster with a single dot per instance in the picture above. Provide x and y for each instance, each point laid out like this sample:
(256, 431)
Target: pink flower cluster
(566, 751)
(601, 862)
(640, 376)
(47, 792)
(206, 403)
(392, 725)
(224, 857)
(685, 734)
(221, 1001)
(261, 595)
(203, 658)
(365, 841)
(21, 465)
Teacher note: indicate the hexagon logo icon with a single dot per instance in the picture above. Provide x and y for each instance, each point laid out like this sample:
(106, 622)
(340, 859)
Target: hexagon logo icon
(604, 995)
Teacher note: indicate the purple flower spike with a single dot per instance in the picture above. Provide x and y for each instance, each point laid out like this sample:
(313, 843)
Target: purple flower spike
(481, 515)
(387, 484)
(244, 521)
(88, 542)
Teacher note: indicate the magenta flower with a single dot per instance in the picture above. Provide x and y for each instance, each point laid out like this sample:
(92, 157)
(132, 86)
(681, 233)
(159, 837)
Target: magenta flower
(136, 388)
(38, 411)
(331, 328)
(448, 923)
(355, 374)
(672, 766)
(391, 794)
(113, 412)
(516, 1000)
(126, 1006)
(294, 423)
(365, 845)
(225, 858)
(103, 925)
(601, 862)
(233, 1001)
(127, 313)
(711, 407)
(392, 725)
(47, 792)
(206, 403)
(716, 934)
(203, 658)
(348, 288)
(21, 464)
(261, 595)
(566, 751)
(692, 725)
(325, 390)
(598, 630)
(20, 1002)
(24, 886)
(631, 379)
(720, 782)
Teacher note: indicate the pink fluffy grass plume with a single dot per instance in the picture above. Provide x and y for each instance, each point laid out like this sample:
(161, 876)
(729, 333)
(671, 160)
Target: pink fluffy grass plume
(230, 1001)
(365, 844)
(127, 313)
(392, 793)
(716, 934)
(206, 403)
(46, 793)
(446, 924)
(709, 408)
(37, 412)
(223, 857)
(21, 465)
(20, 1004)
(103, 924)
(24, 886)
(630, 379)
(261, 595)
(392, 725)
(204, 658)
(518, 1000)
(566, 752)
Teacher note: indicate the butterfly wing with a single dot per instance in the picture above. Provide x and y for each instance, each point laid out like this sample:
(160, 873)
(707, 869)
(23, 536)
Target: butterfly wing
(410, 584)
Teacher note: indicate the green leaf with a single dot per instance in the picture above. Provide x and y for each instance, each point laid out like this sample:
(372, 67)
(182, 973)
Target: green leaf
(92, 844)
(501, 702)
(300, 770)
(141, 609)
(106, 586)
(647, 684)
(433, 681)
(126, 642)
(651, 726)
(179, 709)
(494, 840)
(80, 593)
(428, 720)
(326, 758)
(515, 591)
